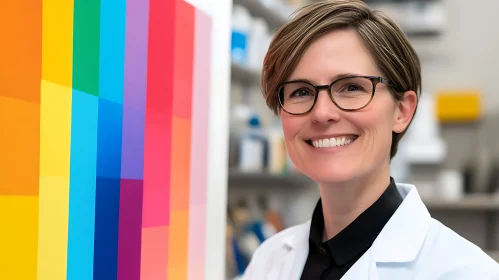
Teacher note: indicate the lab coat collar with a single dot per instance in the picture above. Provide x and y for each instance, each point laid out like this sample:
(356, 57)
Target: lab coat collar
(399, 241)
(402, 237)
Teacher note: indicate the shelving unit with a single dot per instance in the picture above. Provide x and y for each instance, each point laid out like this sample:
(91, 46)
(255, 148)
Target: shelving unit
(257, 9)
(245, 75)
(472, 202)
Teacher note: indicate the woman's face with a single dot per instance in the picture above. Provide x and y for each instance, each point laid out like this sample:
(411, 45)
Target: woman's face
(370, 129)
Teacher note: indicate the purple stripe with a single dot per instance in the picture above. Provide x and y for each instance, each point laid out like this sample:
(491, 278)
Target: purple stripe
(132, 165)
(130, 229)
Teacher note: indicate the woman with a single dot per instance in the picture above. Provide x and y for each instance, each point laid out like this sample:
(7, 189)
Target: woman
(345, 82)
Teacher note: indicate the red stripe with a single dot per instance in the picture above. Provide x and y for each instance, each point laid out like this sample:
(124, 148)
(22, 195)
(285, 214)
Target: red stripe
(184, 57)
(159, 114)
(158, 131)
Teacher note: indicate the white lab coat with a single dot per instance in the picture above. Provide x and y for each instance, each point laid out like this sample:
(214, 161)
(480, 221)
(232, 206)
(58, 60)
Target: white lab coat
(412, 245)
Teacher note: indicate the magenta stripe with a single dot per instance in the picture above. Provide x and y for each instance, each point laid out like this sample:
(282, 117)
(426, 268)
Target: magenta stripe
(199, 145)
(132, 166)
(130, 229)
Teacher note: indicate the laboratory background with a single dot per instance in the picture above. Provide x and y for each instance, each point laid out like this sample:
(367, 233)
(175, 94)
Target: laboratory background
(135, 142)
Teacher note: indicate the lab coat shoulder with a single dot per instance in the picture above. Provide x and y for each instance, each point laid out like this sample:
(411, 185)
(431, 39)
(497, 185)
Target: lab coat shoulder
(272, 252)
(447, 255)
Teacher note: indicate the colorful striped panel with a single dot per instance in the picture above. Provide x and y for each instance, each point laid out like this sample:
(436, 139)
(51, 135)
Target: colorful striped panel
(103, 173)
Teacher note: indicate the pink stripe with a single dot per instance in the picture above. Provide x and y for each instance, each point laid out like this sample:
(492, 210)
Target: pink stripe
(199, 145)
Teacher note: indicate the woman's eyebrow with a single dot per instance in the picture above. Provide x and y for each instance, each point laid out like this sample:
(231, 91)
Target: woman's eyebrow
(333, 78)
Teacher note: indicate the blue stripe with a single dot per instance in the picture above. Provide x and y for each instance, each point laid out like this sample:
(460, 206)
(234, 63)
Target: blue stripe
(106, 228)
(112, 50)
(82, 186)
(109, 140)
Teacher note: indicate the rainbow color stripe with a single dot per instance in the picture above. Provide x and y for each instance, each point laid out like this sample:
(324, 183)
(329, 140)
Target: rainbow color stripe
(103, 139)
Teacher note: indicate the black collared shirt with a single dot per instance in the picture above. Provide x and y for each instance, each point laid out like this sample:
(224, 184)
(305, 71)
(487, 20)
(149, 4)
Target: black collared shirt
(330, 260)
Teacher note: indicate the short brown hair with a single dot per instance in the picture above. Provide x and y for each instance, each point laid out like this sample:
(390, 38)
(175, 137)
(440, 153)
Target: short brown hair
(385, 41)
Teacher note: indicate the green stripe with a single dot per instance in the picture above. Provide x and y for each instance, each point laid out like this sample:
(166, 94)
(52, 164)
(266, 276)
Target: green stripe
(86, 46)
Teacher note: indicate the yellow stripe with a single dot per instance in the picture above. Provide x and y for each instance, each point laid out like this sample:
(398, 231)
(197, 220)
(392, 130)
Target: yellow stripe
(18, 255)
(55, 133)
(53, 228)
(55, 137)
(57, 41)
(55, 130)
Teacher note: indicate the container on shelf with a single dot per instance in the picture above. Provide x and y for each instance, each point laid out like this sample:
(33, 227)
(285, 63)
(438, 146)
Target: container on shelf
(241, 27)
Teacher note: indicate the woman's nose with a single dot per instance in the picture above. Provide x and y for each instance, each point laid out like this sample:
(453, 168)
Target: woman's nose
(325, 110)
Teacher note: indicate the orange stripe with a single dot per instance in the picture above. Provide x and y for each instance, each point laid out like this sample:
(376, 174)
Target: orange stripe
(180, 167)
(21, 50)
(177, 247)
(19, 147)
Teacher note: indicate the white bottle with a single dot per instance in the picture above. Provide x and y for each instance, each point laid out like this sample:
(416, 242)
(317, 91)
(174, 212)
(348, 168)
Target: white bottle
(252, 148)
(257, 38)
(241, 26)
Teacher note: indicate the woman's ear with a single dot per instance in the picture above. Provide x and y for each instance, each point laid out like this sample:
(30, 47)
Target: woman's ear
(404, 111)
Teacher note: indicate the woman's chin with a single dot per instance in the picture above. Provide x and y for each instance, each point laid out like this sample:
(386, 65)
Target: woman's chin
(331, 177)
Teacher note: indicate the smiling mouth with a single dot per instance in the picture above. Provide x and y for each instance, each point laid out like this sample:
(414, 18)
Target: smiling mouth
(331, 142)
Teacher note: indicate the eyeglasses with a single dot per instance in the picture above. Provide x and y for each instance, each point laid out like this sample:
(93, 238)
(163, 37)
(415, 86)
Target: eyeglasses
(350, 93)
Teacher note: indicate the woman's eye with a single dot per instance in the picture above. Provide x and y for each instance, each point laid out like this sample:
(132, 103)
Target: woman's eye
(301, 93)
(353, 87)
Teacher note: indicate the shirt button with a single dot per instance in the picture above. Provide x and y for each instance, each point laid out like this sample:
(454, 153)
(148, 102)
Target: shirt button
(322, 250)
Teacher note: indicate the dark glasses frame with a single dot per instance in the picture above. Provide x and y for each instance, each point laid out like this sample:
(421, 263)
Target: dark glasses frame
(375, 80)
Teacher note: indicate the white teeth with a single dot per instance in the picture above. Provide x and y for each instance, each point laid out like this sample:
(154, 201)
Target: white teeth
(325, 143)
(331, 142)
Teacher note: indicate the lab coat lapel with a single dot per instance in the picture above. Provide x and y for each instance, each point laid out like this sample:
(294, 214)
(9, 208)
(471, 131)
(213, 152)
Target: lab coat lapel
(400, 240)
(402, 237)
(364, 268)
(296, 252)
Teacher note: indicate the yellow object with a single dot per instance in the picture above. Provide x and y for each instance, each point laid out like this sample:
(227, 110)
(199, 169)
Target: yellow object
(458, 106)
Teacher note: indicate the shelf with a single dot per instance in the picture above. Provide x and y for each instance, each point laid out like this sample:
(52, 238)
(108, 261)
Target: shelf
(257, 9)
(468, 202)
(244, 75)
(237, 177)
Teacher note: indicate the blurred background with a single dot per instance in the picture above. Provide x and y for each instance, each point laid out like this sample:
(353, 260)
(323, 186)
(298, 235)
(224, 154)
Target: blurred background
(450, 151)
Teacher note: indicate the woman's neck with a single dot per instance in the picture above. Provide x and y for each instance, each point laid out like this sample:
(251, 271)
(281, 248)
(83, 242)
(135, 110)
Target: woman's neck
(343, 203)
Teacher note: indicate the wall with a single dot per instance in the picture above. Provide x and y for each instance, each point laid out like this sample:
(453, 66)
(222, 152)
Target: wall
(112, 146)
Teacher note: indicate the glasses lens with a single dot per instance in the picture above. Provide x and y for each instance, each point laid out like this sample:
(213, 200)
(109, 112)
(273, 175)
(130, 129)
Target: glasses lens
(352, 93)
(297, 97)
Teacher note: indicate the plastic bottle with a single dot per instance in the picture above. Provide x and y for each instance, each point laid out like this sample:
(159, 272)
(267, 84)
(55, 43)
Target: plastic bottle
(256, 47)
(240, 116)
(241, 26)
(253, 148)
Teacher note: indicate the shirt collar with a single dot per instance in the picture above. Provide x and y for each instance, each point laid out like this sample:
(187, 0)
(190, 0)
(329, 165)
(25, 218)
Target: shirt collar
(358, 236)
